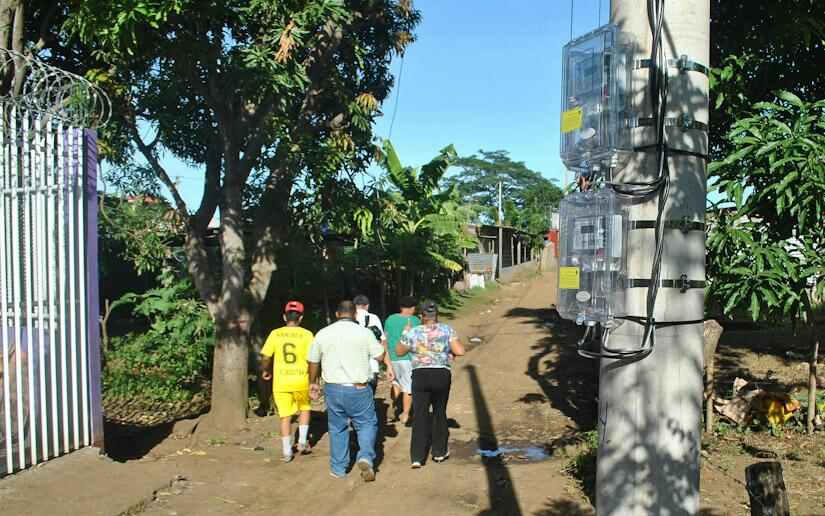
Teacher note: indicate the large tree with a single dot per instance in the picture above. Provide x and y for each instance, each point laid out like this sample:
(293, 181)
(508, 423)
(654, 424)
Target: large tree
(255, 93)
(528, 196)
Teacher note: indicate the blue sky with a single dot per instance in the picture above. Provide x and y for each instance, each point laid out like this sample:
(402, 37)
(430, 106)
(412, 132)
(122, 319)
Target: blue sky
(481, 75)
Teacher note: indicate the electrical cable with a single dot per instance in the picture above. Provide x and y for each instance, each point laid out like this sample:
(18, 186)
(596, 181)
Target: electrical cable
(660, 186)
(397, 94)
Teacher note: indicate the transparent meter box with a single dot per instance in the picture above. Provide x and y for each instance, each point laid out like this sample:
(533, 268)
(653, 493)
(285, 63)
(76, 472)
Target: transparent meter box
(592, 258)
(595, 99)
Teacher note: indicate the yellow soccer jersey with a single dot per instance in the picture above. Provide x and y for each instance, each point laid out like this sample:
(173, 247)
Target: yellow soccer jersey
(288, 347)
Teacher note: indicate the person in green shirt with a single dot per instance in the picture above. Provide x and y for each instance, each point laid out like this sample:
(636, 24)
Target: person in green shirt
(394, 327)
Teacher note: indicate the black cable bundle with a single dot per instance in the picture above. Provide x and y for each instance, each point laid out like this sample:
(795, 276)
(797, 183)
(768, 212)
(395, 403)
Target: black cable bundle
(658, 91)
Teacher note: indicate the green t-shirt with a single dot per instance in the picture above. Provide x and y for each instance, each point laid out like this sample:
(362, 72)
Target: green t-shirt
(394, 326)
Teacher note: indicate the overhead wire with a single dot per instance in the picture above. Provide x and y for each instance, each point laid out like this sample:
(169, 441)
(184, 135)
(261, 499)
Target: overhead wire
(397, 95)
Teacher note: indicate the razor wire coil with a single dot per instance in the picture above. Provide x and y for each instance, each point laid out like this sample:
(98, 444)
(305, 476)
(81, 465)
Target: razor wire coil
(54, 92)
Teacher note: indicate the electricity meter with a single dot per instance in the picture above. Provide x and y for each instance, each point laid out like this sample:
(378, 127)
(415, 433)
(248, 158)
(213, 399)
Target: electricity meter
(592, 259)
(595, 132)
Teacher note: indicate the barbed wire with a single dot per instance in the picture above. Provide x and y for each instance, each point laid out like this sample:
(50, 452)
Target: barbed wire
(52, 91)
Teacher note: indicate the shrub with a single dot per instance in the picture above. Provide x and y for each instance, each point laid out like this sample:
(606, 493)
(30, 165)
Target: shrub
(171, 360)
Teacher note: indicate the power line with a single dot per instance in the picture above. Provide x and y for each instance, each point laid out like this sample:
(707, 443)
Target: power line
(397, 94)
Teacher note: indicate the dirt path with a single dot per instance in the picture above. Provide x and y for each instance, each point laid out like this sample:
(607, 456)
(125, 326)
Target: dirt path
(517, 389)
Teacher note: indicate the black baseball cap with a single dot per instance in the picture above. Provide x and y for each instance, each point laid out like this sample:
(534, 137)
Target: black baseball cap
(429, 308)
(361, 299)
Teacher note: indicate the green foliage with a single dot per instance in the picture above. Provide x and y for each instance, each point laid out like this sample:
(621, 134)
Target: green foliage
(528, 196)
(582, 467)
(762, 47)
(146, 228)
(412, 225)
(170, 360)
(768, 245)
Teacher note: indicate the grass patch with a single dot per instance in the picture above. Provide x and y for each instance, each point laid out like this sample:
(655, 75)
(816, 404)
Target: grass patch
(455, 303)
(582, 467)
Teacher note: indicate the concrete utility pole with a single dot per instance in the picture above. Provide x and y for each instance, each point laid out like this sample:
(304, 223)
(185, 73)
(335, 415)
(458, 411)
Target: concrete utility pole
(650, 410)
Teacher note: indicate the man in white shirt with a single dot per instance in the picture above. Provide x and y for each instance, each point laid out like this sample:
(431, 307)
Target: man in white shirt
(371, 321)
(341, 354)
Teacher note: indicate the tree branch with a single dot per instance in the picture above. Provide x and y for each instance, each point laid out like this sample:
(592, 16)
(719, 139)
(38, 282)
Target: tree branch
(211, 188)
(146, 150)
(194, 245)
(271, 211)
(43, 38)
(275, 200)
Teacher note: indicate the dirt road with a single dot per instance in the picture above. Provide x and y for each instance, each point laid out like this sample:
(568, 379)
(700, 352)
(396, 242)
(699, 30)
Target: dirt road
(518, 390)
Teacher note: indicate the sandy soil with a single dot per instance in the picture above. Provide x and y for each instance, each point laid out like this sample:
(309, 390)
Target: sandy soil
(523, 387)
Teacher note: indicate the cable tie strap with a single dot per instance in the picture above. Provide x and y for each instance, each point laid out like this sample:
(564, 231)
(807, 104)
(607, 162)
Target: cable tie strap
(671, 151)
(682, 283)
(684, 225)
(684, 64)
(659, 324)
(683, 122)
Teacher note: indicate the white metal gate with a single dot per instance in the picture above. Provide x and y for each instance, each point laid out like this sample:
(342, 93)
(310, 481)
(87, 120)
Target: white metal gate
(50, 366)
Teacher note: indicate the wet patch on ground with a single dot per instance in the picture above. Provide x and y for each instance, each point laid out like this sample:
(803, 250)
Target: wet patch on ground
(506, 452)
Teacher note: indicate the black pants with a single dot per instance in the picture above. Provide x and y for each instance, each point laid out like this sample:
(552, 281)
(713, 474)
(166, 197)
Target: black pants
(430, 387)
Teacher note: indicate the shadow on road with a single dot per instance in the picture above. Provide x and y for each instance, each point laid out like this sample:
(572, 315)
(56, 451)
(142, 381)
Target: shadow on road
(564, 508)
(568, 381)
(503, 499)
(123, 442)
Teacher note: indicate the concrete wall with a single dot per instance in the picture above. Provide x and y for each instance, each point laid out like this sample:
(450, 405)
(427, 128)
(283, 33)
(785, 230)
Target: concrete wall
(509, 273)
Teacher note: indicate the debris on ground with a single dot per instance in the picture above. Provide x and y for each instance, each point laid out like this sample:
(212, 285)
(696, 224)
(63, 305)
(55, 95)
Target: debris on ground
(750, 402)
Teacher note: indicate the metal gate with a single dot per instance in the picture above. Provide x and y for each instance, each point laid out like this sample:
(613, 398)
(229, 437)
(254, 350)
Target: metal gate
(50, 366)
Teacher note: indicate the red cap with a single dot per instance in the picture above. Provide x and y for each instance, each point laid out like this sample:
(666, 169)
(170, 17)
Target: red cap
(294, 306)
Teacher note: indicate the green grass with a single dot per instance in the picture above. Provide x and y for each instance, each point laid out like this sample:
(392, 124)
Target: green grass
(582, 467)
(455, 303)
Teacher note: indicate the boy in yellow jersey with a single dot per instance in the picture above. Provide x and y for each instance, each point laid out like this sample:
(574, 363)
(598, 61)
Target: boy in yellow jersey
(287, 347)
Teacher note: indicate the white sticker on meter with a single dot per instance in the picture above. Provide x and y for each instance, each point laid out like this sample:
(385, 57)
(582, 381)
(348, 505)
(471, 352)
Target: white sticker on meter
(588, 233)
(582, 296)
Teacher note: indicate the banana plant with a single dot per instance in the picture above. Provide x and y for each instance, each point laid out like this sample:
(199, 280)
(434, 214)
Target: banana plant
(417, 223)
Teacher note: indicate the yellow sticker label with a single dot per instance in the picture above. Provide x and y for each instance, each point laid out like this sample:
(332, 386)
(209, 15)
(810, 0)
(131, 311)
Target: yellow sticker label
(571, 120)
(569, 277)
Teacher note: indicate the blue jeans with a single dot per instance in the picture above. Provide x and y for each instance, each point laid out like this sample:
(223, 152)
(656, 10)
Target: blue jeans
(345, 404)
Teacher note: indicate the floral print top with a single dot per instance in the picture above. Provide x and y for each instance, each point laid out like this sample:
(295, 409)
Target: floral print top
(429, 345)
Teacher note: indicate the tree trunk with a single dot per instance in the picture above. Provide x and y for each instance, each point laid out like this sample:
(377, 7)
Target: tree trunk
(812, 381)
(229, 377)
(327, 313)
(231, 363)
(383, 286)
(712, 333)
(766, 489)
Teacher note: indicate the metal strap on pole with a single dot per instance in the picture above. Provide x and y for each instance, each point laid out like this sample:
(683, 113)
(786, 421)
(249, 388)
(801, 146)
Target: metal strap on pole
(682, 283)
(679, 224)
(683, 63)
(684, 122)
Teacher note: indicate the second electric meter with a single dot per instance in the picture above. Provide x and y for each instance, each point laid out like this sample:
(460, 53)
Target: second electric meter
(592, 259)
(595, 102)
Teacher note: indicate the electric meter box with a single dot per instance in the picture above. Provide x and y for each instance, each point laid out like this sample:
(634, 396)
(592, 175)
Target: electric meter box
(595, 99)
(592, 257)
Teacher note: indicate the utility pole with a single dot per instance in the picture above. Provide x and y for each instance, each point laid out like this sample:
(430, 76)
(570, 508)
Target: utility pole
(650, 409)
(500, 231)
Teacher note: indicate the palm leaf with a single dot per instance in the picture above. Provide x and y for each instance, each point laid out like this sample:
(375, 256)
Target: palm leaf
(432, 172)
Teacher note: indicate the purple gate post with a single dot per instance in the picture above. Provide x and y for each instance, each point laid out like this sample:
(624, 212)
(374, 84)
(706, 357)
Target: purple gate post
(92, 284)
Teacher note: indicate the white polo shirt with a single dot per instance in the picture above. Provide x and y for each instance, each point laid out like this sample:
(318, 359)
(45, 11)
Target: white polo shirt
(344, 349)
(374, 321)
